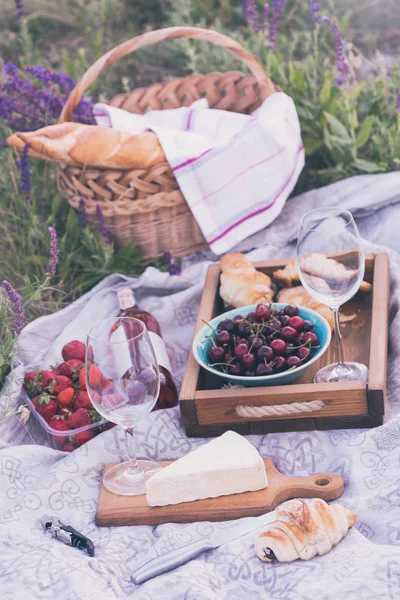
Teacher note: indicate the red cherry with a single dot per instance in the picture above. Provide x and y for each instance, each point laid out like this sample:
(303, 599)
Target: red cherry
(289, 333)
(296, 322)
(240, 350)
(263, 313)
(311, 338)
(249, 361)
(278, 346)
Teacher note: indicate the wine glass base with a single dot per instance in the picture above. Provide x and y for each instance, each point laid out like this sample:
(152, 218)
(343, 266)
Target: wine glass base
(121, 479)
(349, 371)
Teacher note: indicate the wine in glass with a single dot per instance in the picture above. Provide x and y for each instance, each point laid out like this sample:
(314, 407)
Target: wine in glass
(123, 383)
(331, 266)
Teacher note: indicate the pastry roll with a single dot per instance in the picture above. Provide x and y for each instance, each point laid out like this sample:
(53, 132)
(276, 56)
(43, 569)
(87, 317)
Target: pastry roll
(303, 530)
(241, 283)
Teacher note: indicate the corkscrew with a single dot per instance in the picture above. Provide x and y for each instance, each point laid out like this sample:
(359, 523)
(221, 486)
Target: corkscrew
(67, 534)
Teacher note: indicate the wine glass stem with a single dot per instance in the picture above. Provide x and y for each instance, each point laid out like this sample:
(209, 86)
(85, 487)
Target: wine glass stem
(338, 339)
(134, 469)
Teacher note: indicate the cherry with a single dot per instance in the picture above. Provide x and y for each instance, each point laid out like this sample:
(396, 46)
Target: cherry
(221, 325)
(229, 325)
(216, 354)
(284, 319)
(265, 353)
(293, 361)
(263, 313)
(243, 328)
(240, 350)
(296, 322)
(223, 338)
(244, 341)
(238, 318)
(291, 310)
(278, 364)
(278, 346)
(229, 356)
(275, 325)
(255, 343)
(235, 369)
(300, 338)
(263, 369)
(311, 338)
(307, 326)
(252, 317)
(277, 313)
(249, 361)
(288, 333)
(304, 353)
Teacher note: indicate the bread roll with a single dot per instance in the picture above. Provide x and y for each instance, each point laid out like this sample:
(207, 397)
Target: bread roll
(91, 145)
(303, 530)
(241, 283)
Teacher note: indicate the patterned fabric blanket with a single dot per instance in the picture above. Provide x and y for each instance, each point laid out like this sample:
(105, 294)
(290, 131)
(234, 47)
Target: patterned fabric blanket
(36, 480)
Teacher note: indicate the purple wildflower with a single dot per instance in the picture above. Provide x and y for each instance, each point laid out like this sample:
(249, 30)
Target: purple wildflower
(167, 257)
(54, 253)
(174, 269)
(275, 20)
(25, 172)
(103, 227)
(32, 97)
(19, 5)
(15, 299)
(250, 10)
(315, 7)
(342, 64)
(82, 213)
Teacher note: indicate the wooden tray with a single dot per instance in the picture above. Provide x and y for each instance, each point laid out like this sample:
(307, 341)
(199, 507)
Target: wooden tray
(208, 410)
(113, 510)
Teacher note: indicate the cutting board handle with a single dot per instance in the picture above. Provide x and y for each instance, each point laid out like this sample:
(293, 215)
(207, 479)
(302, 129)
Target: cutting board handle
(327, 486)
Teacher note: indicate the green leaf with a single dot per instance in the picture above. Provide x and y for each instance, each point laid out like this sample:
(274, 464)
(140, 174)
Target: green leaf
(367, 166)
(325, 93)
(311, 145)
(365, 131)
(337, 127)
(296, 77)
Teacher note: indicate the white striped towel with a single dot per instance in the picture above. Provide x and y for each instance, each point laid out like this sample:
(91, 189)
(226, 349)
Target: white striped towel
(235, 171)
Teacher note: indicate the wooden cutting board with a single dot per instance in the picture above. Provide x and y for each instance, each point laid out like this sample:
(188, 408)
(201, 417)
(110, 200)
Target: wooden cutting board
(113, 510)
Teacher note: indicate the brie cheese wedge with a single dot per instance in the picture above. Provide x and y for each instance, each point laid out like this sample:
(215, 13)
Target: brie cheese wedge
(227, 465)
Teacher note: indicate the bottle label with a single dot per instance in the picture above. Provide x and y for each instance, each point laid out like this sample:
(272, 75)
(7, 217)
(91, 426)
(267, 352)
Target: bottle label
(126, 298)
(160, 350)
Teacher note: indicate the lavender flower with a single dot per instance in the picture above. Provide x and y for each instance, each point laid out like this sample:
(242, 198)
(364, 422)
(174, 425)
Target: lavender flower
(15, 299)
(342, 64)
(25, 172)
(19, 5)
(32, 97)
(174, 269)
(103, 227)
(251, 13)
(275, 20)
(315, 7)
(54, 253)
(82, 213)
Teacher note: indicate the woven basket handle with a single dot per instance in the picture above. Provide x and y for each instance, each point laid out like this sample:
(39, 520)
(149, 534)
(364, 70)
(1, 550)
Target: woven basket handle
(152, 37)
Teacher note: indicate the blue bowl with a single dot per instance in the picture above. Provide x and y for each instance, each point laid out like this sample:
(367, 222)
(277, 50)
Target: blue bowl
(201, 346)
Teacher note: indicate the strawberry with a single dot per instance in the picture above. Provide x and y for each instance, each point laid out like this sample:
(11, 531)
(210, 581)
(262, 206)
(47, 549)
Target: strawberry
(34, 400)
(74, 349)
(67, 448)
(82, 437)
(111, 401)
(82, 379)
(32, 383)
(61, 383)
(82, 400)
(48, 380)
(65, 397)
(70, 368)
(95, 376)
(79, 418)
(46, 407)
(59, 424)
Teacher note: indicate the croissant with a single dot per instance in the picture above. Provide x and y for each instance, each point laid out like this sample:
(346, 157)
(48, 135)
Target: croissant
(289, 275)
(298, 295)
(241, 283)
(303, 530)
(91, 145)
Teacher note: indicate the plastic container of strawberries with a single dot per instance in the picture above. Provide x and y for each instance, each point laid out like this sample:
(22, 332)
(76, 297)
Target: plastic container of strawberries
(72, 437)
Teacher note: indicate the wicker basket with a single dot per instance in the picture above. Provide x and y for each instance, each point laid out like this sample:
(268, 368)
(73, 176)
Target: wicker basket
(146, 205)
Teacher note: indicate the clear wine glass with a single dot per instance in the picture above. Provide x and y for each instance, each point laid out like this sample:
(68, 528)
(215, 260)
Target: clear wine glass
(123, 383)
(331, 266)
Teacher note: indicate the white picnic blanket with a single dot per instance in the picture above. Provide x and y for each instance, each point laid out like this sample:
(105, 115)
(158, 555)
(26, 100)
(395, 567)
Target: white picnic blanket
(36, 480)
(235, 171)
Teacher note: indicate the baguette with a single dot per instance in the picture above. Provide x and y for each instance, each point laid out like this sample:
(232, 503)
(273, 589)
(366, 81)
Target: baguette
(91, 145)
